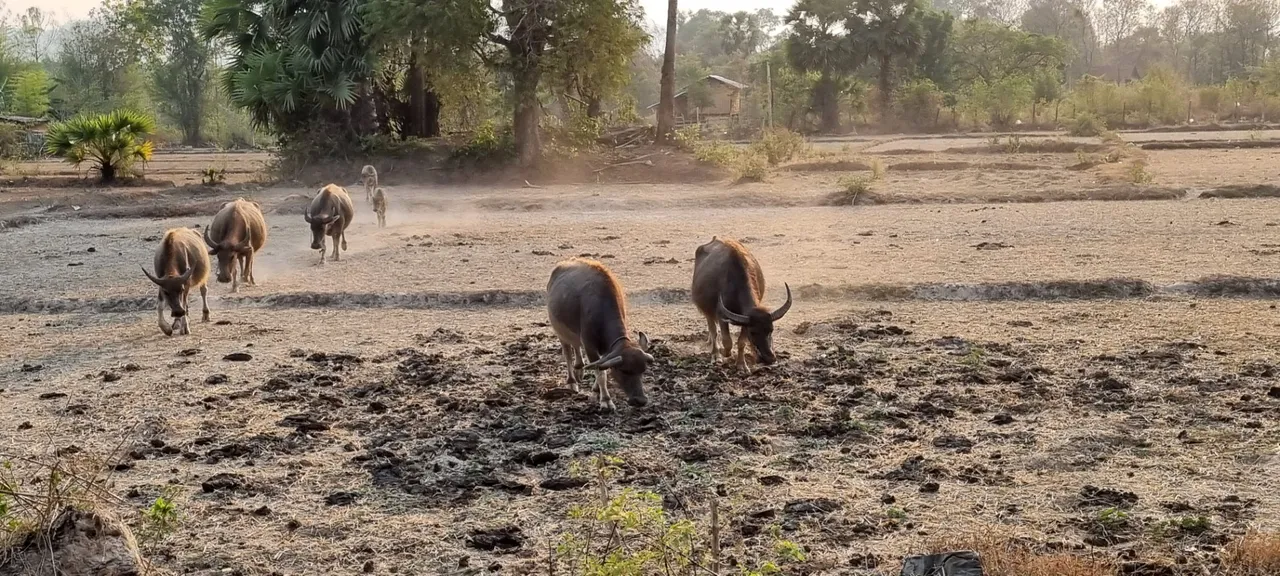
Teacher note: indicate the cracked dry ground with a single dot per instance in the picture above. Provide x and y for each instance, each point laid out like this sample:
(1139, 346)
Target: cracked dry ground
(316, 440)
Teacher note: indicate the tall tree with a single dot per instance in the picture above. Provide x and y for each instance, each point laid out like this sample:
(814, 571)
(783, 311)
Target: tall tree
(416, 43)
(819, 42)
(889, 30)
(989, 51)
(935, 59)
(179, 58)
(1069, 20)
(667, 84)
(33, 29)
(595, 40)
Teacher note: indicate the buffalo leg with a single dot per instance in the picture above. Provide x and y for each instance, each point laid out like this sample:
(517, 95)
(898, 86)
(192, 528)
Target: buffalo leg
(569, 355)
(186, 304)
(711, 337)
(742, 349)
(204, 302)
(248, 269)
(335, 249)
(235, 274)
(344, 239)
(602, 390)
(160, 315)
(726, 340)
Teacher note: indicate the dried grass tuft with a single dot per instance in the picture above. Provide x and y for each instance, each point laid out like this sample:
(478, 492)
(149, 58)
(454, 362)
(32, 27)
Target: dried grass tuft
(1004, 555)
(1254, 554)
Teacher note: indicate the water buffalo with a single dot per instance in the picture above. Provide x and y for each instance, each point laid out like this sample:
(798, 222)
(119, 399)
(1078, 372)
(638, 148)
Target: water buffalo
(329, 214)
(181, 263)
(237, 233)
(588, 311)
(727, 287)
(380, 207)
(369, 177)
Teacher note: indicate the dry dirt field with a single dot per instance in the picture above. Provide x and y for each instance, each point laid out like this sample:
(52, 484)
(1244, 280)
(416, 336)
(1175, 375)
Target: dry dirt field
(992, 345)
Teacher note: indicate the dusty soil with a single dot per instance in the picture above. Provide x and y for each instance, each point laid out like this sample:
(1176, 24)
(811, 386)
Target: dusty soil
(971, 362)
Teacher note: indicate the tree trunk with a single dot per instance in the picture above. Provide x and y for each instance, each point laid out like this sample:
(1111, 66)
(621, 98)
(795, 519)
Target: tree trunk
(828, 104)
(667, 85)
(1033, 113)
(108, 172)
(417, 87)
(593, 107)
(886, 86)
(528, 142)
(432, 114)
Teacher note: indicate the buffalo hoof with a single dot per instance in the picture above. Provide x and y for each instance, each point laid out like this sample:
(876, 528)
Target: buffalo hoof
(608, 406)
(204, 317)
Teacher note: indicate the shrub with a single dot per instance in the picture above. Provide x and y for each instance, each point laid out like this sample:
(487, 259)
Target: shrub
(111, 142)
(1138, 173)
(487, 144)
(12, 142)
(1087, 124)
(752, 167)
(577, 134)
(877, 169)
(851, 190)
(629, 534)
(687, 138)
(779, 145)
(920, 101)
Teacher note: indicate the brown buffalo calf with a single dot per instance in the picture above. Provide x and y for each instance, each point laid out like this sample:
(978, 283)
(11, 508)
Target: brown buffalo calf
(380, 207)
(329, 214)
(238, 232)
(727, 287)
(588, 311)
(181, 263)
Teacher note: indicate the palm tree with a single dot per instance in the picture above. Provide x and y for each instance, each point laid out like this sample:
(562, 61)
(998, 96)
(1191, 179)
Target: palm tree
(293, 62)
(111, 142)
(667, 85)
(887, 29)
(819, 42)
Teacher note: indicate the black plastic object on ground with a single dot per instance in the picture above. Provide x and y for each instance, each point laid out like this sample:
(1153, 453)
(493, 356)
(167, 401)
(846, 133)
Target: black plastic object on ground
(963, 563)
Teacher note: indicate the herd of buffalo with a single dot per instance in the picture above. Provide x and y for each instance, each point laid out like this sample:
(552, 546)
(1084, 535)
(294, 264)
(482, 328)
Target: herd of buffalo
(585, 301)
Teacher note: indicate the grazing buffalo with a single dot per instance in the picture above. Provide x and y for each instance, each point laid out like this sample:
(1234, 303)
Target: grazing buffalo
(588, 312)
(237, 233)
(181, 264)
(380, 207)
(369, 177)
(329, 214)
(727, 287)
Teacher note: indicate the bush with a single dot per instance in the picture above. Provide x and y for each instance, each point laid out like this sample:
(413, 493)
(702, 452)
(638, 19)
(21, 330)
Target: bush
(919, 102)
(1087, 124)
(487, 144)
(12, 142)
(578, 134)
(629, 534)
(779, 145)
(111, 142)
(752, 167)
